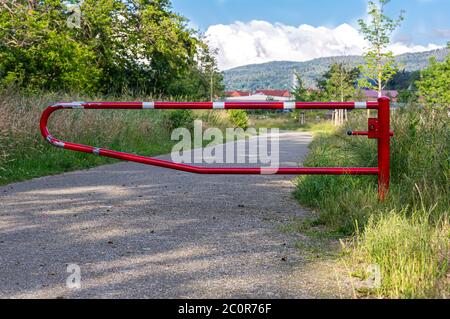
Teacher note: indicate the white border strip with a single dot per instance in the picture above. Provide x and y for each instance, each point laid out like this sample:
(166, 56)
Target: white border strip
(72, 105)
(360, 105)
(148, 105)
(59, 144)
(269, 171)
(219, 105)
(289, 105)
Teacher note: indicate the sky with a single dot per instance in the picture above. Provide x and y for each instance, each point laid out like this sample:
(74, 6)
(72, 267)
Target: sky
(252, 31)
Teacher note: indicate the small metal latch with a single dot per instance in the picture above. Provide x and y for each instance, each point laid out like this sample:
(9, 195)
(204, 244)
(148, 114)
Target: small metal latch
(374, 128)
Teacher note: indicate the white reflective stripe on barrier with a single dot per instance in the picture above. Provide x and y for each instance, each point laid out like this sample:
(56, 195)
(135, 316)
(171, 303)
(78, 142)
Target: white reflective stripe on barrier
(360, 105)
(219, 105)
(72, 105)
(59, 144)
(148, 105)
(269, 171)
(289, 105)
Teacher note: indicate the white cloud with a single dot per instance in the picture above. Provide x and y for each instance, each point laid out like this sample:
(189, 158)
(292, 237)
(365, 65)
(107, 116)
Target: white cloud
(260, 41)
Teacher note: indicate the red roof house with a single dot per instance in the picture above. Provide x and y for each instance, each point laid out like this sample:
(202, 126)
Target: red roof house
(236, 93)
(372, 95)
(276, 93)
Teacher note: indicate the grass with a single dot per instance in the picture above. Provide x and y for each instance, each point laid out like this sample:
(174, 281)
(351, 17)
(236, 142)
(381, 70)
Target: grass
(25, 155)
(411, 250)
(288, 122)
(319, 243)
(408, 234)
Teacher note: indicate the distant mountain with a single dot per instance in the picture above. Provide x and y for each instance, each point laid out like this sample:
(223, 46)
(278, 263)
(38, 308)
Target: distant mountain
(280, 75)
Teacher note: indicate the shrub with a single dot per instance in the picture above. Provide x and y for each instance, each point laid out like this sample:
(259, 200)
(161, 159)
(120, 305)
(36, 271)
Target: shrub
(411, 243)
(24, 154)
(239, 118)
(181, 118)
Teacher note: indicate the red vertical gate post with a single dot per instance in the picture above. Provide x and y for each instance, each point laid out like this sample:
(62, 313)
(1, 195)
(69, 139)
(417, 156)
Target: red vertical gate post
(384, 146)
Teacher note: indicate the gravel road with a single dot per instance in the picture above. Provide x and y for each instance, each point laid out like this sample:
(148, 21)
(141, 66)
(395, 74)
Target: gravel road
(144, 232)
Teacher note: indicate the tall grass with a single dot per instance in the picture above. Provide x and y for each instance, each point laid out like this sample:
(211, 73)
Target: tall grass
(412, 251)
(408, 234)
(24, 154)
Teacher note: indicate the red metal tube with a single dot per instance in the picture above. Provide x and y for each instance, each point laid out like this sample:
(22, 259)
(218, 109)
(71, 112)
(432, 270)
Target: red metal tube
(226, 105)
(182, 167)
(219, 171)
(384, 146)
(364, 133)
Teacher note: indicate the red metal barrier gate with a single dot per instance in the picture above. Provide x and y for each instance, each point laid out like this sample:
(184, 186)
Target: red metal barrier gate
(379, 128)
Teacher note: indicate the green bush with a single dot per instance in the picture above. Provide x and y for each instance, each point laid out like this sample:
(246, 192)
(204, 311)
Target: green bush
(40, 51)
(181, 119)
(239, 118)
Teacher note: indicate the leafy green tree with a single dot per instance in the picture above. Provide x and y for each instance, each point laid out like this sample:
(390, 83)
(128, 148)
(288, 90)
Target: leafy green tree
(407, 96)
(38, 51)
(203, 79)
(380, 63)
(303, 94)
(338, 84)
(300, 91)
(119, 46)
(434, 83)
(404, 80)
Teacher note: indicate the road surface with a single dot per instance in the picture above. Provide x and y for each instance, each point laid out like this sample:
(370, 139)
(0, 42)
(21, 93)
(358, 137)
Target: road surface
(143, 232)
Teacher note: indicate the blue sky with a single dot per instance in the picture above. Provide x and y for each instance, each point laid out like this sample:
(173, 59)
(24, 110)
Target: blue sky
(424, 18)
(427, 21)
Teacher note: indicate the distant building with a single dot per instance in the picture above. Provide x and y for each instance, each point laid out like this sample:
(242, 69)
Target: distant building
(259, 96)
(234, 94)
(275, 93)
(372, 95)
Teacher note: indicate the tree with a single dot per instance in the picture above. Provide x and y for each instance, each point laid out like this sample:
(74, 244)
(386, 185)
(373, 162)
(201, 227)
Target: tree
(338, 84)
(38, 50)
(380, 63)
(434, 83)
(403, 80)
(203, 81)
(119, 46)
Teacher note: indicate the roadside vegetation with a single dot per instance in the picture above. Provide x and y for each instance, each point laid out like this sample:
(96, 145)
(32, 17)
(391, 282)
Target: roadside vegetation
(26, 155)
(408, 235)
(55, 50)
(142, 51)
(110, 47)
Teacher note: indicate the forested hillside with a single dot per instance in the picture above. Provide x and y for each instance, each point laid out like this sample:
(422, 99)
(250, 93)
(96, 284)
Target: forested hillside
(280, 75)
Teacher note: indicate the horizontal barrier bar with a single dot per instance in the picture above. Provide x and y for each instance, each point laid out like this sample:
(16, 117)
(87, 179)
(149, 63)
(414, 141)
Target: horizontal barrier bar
(217, 171)
(181, 167)
(220, 105)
